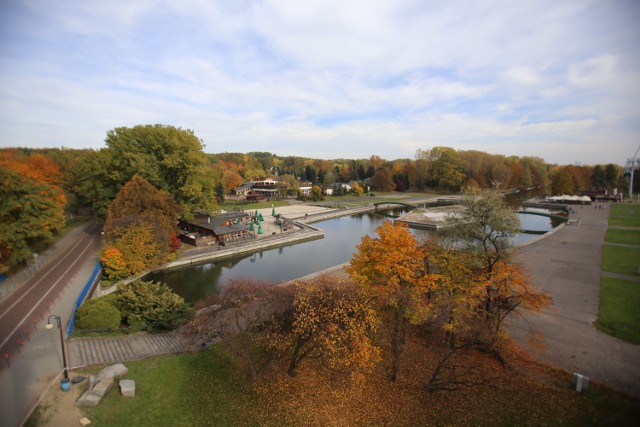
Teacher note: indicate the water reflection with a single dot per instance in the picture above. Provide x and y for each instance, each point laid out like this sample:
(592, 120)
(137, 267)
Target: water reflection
(342, 235)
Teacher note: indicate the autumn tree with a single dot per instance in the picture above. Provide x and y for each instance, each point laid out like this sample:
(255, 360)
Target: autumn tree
(113, 263)
(332, 322)
(231, 179)
(493, 287)
(138, 197)
(139, 243)
(382, 180)
(562, 183)
(357, 189)
(392, 268)
(30, 210)
(316, 193)
(247, 315)
(140, 225)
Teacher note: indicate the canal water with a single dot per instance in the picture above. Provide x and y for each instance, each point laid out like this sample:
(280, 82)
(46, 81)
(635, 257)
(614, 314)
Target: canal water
(289, 262)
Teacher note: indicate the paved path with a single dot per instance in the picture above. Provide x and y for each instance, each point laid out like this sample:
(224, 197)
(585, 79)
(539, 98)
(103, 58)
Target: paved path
(567, 265)
(106, 350)
(40, 359)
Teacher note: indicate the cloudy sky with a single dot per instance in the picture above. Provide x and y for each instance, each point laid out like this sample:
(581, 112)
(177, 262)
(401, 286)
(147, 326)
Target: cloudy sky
(328, 78)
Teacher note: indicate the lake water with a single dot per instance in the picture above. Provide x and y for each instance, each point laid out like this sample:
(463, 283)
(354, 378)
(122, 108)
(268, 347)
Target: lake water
(286, 263)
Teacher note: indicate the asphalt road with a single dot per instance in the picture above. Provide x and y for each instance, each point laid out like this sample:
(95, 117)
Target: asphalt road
(23, 310)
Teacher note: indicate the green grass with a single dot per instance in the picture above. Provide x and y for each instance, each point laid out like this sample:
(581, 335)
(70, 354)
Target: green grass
(619, 315)
(233, 204)
(194, 389)
(620, 235)
(627, 215)
(623, 260)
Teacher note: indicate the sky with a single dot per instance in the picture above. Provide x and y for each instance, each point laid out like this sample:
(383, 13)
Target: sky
(328, 79)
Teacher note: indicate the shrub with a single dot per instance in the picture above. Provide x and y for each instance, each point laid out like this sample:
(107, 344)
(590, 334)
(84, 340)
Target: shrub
(98, 313)
(151, 305)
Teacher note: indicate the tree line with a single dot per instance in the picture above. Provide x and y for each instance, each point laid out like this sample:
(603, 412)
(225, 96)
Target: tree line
(40, 185)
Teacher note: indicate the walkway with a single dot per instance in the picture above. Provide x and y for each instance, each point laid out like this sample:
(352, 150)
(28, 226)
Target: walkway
(108, 350)
(566, 264)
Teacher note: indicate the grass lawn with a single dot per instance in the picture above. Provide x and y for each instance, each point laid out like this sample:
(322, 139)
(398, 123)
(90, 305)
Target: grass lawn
(617, 259)
(233, 204)
(619, 315)
(620, 235)
(184, 390)
(625, 214)
(205, 389)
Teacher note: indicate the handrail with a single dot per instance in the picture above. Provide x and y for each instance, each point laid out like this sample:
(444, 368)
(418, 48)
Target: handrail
(82, 296)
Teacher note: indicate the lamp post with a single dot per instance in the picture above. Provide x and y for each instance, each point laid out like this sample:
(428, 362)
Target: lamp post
(64, 384)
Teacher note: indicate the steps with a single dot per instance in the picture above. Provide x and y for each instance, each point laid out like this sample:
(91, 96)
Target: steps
(107, 350)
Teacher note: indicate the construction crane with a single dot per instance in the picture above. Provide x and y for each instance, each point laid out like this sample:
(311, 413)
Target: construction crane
(631, 165)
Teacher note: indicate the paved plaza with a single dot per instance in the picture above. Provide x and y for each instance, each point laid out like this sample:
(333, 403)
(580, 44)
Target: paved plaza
(566, 264)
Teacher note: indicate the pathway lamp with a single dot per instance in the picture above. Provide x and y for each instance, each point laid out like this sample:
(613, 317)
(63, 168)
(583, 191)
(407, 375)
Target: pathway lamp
(65, 385)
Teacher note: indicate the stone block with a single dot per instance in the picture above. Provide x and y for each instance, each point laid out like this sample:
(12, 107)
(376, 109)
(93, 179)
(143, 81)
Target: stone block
(128, 388)
(117, 370)
(102, 387)
(88, 399)
(92, 381)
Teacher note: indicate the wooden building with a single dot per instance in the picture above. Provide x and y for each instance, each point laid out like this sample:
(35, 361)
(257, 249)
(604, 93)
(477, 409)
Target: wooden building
(215, 229)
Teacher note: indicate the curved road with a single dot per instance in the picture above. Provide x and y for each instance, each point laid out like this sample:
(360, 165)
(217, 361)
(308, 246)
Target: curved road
(21, 312)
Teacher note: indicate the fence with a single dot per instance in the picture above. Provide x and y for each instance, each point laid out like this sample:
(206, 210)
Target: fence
(83, 294)
(15, 281)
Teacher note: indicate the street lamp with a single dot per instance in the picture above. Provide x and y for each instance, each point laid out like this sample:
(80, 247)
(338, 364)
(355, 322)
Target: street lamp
(64, 384)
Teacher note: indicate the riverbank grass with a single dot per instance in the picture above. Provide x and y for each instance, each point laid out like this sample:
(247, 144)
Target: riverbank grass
(619, 259)
(619, 315)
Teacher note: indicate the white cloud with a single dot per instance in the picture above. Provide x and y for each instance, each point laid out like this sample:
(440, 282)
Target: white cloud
(327, 78)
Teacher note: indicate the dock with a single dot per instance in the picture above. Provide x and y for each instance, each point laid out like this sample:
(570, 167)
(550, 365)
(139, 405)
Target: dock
(430, 218)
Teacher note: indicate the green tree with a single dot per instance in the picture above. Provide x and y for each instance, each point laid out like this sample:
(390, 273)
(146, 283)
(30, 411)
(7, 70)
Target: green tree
(485, 227)
(612, 174)
(445, 169)
(98, 313)
(598, 177)
(220, 192)
(151, 305)
(29, 211)
(170, 158)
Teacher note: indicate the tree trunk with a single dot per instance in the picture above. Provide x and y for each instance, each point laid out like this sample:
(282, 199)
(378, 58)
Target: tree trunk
(397, 344)
(295, 358)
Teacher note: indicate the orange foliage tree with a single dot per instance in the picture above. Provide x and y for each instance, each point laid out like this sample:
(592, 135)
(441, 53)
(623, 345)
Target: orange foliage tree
(334, 322)
(140, 225)
(392, 266)
(31, 204)
(113, 263)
